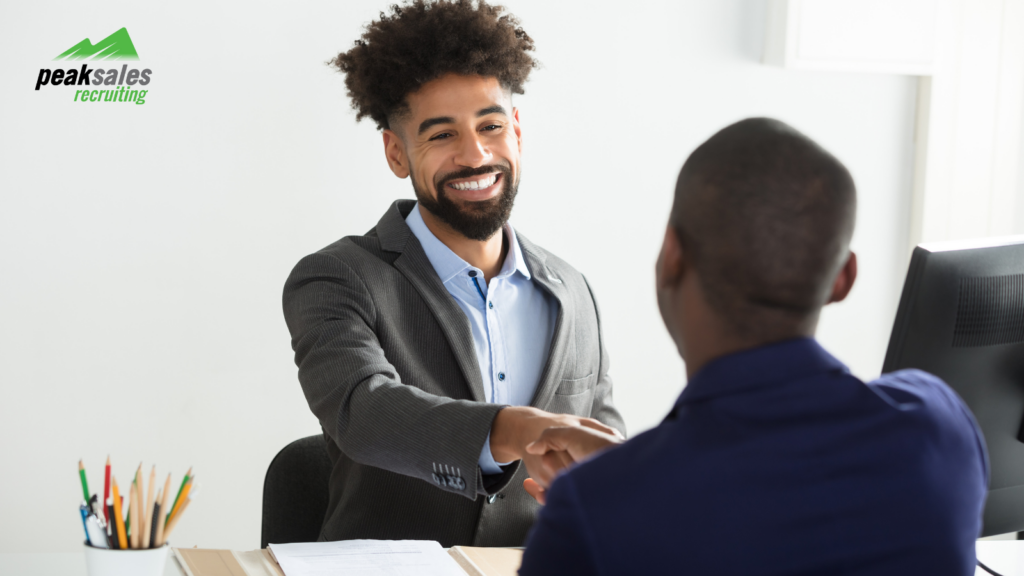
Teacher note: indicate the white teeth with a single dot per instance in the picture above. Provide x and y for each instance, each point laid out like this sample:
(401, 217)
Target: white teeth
(476, 184)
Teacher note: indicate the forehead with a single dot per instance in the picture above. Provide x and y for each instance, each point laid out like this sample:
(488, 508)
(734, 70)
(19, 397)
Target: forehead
(456, 96)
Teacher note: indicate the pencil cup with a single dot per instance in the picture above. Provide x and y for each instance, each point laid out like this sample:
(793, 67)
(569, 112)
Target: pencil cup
(106, 562)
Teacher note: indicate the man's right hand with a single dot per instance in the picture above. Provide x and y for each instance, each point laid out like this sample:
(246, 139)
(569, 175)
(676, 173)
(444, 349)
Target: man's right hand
(515, 427)
(561, 447)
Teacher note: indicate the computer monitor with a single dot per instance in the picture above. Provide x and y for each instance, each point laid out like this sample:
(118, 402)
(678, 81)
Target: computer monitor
(961, 318)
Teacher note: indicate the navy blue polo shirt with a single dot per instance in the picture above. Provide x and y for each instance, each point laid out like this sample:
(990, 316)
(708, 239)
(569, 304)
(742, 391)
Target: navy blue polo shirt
(777, 460)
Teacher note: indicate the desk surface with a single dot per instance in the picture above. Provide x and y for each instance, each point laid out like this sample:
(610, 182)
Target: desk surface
(1003, 556)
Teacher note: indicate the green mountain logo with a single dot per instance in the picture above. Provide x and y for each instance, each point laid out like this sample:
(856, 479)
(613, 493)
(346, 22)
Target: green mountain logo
(117, 46)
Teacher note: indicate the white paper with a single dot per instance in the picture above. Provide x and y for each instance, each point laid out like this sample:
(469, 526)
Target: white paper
(366, 558)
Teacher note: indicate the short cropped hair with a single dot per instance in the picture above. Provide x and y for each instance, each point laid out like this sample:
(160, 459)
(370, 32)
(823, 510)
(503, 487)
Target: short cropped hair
(768, 215)
(423, 40)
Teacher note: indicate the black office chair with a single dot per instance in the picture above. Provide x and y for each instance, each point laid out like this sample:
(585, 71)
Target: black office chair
(295, 492)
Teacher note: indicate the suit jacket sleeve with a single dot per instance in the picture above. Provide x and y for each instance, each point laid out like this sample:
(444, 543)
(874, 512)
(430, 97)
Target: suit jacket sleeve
(603, 409)
(359, 397)
(561, 542)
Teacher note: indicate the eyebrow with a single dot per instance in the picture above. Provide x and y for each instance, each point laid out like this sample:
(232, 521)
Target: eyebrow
(429, 122)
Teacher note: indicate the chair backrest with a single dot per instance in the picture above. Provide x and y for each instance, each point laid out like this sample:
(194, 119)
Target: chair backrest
(295, 492)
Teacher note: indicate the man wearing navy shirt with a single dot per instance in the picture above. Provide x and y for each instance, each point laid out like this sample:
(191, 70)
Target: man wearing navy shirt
(774, 459)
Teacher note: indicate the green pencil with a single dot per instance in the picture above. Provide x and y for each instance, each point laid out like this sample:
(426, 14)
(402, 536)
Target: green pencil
(128, 517)
(183, 482)
(85, 483)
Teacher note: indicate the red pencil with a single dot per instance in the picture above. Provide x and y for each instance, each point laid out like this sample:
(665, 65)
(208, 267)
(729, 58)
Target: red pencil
(106, 490)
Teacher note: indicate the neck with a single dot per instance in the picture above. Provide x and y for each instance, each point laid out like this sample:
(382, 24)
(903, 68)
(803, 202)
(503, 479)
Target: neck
(487, 255)
(705, 336)
(704, 350)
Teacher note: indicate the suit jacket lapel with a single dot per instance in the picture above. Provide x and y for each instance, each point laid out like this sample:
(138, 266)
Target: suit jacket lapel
(395, 236)
(553, 285)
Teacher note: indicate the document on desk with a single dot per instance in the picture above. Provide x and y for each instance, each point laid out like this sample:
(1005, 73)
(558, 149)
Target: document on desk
(365, 558)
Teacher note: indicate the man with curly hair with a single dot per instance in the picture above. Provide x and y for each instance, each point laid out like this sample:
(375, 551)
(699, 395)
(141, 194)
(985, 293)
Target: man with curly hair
(435, 347)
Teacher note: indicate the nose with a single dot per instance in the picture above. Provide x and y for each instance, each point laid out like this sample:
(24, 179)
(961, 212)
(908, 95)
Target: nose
(473, 152)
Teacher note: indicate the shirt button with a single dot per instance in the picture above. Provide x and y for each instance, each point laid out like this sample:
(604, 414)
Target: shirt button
(501, 376)
(472, 273)
(490, 304)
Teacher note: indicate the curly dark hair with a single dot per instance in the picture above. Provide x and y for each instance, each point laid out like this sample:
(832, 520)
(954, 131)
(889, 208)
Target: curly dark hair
(423, 40)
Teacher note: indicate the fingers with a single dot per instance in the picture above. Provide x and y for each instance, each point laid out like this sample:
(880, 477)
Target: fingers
(534, 489)
(555, 462)
(578, 441)
(550, 439)
(537, 470)
(555, 438)
(601, 427)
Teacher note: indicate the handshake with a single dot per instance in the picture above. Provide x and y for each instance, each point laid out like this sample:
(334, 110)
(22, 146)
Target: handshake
(547, 443)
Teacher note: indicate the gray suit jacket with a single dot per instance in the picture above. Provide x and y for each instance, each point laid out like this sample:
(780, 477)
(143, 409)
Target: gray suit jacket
(387, 363)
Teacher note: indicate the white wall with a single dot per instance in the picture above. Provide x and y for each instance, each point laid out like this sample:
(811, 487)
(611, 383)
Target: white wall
(143, 249)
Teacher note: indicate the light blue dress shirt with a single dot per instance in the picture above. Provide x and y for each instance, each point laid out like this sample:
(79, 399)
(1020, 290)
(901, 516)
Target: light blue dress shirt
(512, 320)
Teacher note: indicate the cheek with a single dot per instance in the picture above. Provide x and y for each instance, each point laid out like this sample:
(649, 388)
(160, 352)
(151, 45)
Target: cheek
(424, 168)
(509, 149)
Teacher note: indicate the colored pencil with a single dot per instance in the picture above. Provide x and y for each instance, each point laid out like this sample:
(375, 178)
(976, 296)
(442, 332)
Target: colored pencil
(85, 483)
(163, 506)
(127, 511)
(155, 521)
(111, 529)
(181, 502)
(140, 512)
(147, 522)
(178, 497)
(176, 517)
(133, 514)
(106, 491)
(122, 540)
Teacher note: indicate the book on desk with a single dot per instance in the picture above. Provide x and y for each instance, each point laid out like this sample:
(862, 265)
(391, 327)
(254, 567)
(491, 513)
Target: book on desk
(314, 559)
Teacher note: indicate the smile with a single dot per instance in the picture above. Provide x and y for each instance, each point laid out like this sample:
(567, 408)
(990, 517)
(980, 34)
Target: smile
(480, 184)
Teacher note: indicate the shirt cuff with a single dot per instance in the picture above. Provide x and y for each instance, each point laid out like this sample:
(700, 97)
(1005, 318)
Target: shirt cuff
(486, 461)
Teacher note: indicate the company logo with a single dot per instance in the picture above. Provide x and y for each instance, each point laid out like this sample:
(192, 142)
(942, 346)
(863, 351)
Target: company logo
(117, 46)
(112, 85)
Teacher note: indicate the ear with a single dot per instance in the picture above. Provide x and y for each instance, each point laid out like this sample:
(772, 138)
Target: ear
(844, 281)
(394, 150)
(671, 266)
(518, 129)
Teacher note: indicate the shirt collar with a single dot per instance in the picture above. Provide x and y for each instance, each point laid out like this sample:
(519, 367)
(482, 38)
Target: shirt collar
(448, 264)
(763, 366)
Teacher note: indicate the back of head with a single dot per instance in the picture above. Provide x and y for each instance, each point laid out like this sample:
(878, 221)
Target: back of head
(767, 216)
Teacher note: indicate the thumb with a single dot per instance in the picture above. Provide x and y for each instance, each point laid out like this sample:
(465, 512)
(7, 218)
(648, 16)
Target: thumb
(534, 489)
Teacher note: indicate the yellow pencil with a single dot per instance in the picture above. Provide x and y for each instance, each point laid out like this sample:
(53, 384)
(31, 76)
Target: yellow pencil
(181, 499)
(163, 508)
(183, 504)
(118, 519)
(147, 522)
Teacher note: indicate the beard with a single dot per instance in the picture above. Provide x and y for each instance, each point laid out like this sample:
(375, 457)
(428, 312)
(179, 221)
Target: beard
(478, 220)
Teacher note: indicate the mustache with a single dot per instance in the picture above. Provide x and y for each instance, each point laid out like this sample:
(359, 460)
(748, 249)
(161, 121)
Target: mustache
(444, 179)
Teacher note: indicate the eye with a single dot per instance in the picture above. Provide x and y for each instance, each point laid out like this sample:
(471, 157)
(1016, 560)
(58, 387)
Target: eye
(441, 136)
(493, 127)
